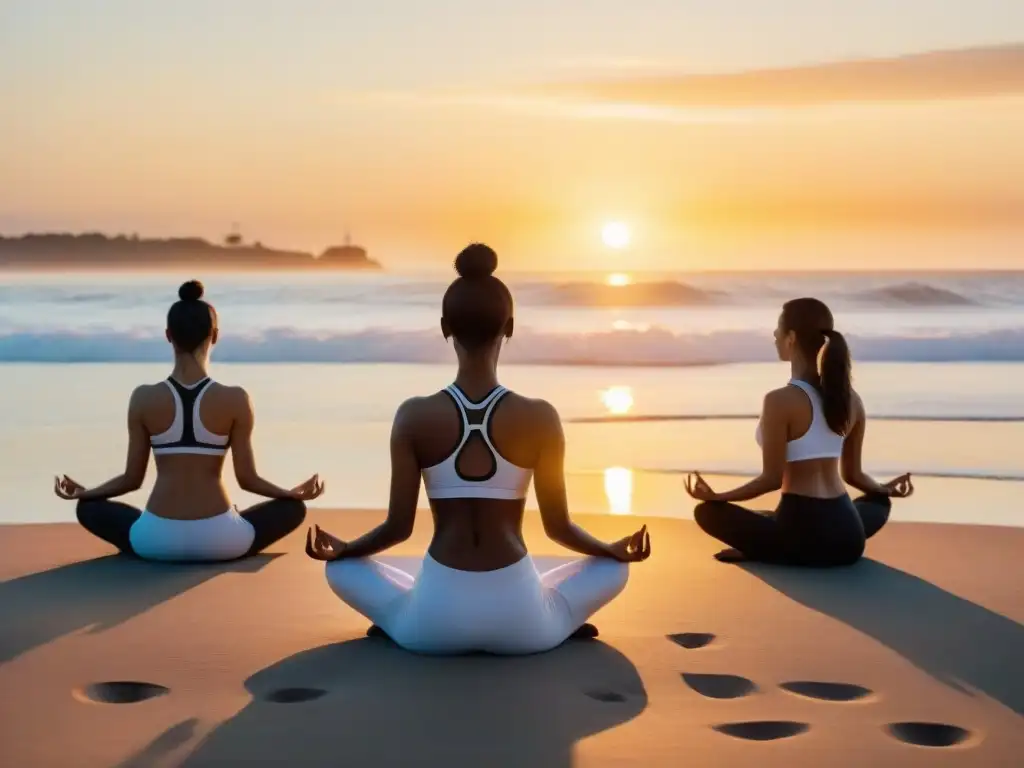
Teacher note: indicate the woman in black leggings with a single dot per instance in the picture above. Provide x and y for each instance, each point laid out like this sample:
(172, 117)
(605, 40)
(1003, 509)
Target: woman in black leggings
(811, 434)
(189, 422)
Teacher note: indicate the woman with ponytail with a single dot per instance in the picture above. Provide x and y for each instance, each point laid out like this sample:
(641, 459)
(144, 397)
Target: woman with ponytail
(189, 421)
(811, 435)
(476, 446)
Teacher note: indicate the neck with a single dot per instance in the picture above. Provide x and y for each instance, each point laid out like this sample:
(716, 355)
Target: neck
(189, 369)
(476, 376)
(801, 369)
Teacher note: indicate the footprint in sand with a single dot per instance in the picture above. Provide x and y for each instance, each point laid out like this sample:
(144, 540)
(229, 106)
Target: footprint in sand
(824, 691)
(295, 695)
(763, 730)
(929, 734)
(119, 692)
(692, 640)
(720, 686)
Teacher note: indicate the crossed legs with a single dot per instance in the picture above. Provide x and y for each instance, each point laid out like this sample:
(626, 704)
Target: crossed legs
(568, 596)
(112, 521)
(760, 536)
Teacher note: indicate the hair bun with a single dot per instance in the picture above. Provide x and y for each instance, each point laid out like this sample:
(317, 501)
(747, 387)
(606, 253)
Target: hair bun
(475, 261)
(191, 291)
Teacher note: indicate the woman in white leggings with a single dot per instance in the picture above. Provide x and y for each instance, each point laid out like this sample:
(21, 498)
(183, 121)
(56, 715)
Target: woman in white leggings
(476, 447)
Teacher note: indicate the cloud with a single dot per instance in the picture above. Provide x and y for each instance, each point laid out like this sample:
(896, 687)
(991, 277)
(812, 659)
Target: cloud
(923, 77)
(552, 105)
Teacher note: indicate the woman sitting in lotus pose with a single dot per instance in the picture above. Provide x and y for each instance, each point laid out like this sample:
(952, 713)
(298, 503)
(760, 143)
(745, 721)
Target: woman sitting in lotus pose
(189, 421)
(811, 434)
(476, 446)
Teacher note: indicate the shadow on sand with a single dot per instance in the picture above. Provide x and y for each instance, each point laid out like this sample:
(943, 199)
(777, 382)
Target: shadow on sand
(164, 744)
(958, 642)
(99, 593)
(366, 702)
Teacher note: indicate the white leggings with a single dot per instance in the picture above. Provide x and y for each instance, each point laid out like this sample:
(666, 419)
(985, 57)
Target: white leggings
(513, 610)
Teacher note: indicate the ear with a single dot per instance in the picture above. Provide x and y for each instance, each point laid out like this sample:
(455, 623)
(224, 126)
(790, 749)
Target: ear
(445, 330)
(510, 326)
(167, 335)
(791, 342)
(214, 335)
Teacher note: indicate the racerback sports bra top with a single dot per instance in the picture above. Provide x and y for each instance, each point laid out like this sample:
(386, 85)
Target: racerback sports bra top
(187, 433)
(819, 442)
(505, 481)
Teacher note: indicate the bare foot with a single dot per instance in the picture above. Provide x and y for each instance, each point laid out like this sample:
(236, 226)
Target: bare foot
(730, 556)
(375, 631)
(586, 632)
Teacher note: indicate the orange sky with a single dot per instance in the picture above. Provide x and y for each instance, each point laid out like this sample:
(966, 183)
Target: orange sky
(723, 172)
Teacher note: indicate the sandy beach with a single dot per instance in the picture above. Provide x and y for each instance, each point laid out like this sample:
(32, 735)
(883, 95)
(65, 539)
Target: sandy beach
(652, 216)
(913, 657)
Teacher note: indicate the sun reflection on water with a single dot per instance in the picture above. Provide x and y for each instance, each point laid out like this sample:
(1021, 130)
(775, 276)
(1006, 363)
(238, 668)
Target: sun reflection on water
(618, 487)
(618, 279)
(618, 400)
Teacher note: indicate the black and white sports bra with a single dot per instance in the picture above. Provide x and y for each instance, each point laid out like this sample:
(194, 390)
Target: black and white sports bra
(506, 481)
(819, 442)
(187, 433)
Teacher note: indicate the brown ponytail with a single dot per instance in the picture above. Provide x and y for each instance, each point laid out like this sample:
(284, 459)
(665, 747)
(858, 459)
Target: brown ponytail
(811, 323)
(836, 385)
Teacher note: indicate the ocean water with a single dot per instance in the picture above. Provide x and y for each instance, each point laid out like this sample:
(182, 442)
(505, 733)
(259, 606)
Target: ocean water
(653, 378)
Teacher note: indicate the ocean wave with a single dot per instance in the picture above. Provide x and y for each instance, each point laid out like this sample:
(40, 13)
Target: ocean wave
(632, 347)
(916, 295)
(597, 293)
(665, 293)
(673, 293)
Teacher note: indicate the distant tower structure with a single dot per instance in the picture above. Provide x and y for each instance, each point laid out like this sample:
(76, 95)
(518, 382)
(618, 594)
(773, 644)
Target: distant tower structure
(235, 238)
(346, 255)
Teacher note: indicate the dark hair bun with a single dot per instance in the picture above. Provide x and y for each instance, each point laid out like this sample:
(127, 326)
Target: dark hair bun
(475, 261)
(191, 291)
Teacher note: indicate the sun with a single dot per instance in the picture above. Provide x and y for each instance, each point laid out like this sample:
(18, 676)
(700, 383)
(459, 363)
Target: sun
(615, 234)
(618, 279)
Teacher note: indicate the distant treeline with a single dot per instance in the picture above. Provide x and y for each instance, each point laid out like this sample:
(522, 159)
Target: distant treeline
(51, 250)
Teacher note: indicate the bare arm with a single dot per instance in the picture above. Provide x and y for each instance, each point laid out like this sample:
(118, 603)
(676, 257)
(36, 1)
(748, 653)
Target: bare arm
(135, 463)
(850, 464)
(549, 482)
(774, 436)
(243, 457)
(405, 490)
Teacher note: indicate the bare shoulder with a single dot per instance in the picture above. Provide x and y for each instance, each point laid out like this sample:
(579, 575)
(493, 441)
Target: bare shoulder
(229, 391)
(146, 394)
(413, 407)
(536, 412)
(230, 398)
(784, 398)
(417, 411)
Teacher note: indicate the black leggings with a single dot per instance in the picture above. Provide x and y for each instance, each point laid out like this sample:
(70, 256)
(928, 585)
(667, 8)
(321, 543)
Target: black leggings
(801, 531)
(112, 521)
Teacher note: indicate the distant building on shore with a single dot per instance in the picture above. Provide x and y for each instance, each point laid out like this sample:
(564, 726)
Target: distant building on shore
(345, 255)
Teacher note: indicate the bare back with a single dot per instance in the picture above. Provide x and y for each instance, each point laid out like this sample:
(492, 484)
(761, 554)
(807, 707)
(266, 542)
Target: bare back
(188, 486)
(477, 534)
(817, 478)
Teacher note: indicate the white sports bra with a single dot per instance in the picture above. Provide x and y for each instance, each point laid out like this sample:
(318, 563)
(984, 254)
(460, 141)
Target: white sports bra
(187, 433)
(505, 481)
(819, 442)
